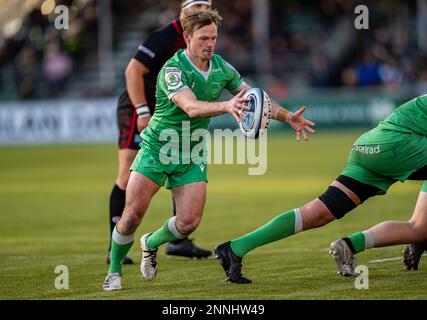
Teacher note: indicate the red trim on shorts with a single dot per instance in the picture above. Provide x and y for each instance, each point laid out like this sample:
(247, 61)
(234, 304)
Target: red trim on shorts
(132, 131)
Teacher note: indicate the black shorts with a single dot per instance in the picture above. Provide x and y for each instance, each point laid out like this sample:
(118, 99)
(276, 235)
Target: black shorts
(129, 137)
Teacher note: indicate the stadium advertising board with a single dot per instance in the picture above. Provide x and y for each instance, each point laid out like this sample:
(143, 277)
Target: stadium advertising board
(49, 122)
(94, 121)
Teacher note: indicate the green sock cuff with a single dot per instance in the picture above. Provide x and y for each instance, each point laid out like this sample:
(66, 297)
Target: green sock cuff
(358, 241)
(163, 235)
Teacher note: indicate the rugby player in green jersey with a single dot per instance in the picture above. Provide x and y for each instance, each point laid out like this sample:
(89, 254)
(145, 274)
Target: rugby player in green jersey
(396, 150)
(188, 87)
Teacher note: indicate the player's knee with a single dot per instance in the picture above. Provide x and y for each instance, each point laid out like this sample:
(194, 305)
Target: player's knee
(187, 225)
(129, 222)
(127, 226)
(337, 202)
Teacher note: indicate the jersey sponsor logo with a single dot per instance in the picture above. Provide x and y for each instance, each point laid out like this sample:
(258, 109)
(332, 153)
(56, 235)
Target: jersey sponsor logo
(367, 149)
(173, 78)
(147, 51)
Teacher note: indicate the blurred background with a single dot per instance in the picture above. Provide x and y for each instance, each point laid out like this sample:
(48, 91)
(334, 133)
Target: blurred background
(58, 143)
(303, 52)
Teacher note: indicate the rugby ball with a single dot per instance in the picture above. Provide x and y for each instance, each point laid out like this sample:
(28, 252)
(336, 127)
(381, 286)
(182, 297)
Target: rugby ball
(258, 117)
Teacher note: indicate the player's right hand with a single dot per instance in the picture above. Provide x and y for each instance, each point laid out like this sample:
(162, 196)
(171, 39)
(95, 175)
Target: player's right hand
(142, 123)
(301, 125)
(236, 106)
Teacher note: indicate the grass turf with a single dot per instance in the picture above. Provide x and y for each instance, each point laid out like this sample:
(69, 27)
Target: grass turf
(54, 211)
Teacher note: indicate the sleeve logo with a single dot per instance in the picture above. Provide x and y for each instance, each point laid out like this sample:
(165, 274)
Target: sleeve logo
(147, 51)
(173, 78)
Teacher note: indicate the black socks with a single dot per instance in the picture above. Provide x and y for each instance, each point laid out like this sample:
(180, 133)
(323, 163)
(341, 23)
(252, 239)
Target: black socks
(117, 205)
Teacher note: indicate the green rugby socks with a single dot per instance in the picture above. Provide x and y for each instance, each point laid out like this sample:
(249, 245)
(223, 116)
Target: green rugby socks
(168, 232)
(282, 226)
(120, 246)
(360, 241)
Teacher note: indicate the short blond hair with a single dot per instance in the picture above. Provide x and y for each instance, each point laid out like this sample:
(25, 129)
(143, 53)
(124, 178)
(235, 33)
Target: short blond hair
(200, 19)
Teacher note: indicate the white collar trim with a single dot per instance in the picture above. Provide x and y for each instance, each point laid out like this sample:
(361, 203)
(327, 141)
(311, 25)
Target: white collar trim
(205, 74)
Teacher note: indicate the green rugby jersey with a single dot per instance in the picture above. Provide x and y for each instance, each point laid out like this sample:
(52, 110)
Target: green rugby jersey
(178, 74)
(409, 117)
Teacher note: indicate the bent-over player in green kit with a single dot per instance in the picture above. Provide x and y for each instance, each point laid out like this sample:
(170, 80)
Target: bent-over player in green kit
(396, 150)
(188, 87)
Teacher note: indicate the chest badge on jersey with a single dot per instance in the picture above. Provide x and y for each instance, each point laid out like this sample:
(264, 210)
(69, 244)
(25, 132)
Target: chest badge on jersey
(173, 78)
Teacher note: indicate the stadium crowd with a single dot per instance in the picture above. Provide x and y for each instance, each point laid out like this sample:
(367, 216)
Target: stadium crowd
(37, 61)
(307, 41)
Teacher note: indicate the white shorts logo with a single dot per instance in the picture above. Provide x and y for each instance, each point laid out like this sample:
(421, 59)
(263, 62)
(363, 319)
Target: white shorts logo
(367, 149)
(173, 78)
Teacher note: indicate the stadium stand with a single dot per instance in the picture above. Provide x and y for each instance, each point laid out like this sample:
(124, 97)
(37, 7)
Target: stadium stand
(311, 43)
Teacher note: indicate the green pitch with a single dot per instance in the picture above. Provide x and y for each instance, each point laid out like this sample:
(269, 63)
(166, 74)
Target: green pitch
(54, 211)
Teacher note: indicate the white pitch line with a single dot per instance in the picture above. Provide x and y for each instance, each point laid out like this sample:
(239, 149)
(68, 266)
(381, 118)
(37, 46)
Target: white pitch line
(385, 260)
(390, 259)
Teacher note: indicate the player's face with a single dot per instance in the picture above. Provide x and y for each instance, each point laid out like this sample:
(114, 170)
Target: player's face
(202, 43)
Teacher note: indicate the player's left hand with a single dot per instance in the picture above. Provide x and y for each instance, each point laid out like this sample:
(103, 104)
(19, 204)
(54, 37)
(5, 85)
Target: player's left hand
(301, 125)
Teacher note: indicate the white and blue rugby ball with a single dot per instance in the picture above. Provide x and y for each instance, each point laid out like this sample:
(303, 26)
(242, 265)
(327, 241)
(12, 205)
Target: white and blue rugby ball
(258, 117)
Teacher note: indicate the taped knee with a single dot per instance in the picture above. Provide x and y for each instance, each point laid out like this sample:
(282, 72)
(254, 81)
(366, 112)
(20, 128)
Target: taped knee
(337, 202)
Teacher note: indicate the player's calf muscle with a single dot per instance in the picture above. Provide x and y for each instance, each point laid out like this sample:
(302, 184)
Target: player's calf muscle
(315, 214)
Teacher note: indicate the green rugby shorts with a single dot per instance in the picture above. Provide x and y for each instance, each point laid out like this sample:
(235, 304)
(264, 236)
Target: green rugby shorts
(380, 157)
(170, 175)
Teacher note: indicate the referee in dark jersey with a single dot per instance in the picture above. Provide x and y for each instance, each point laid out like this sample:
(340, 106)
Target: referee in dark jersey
(134, 110)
